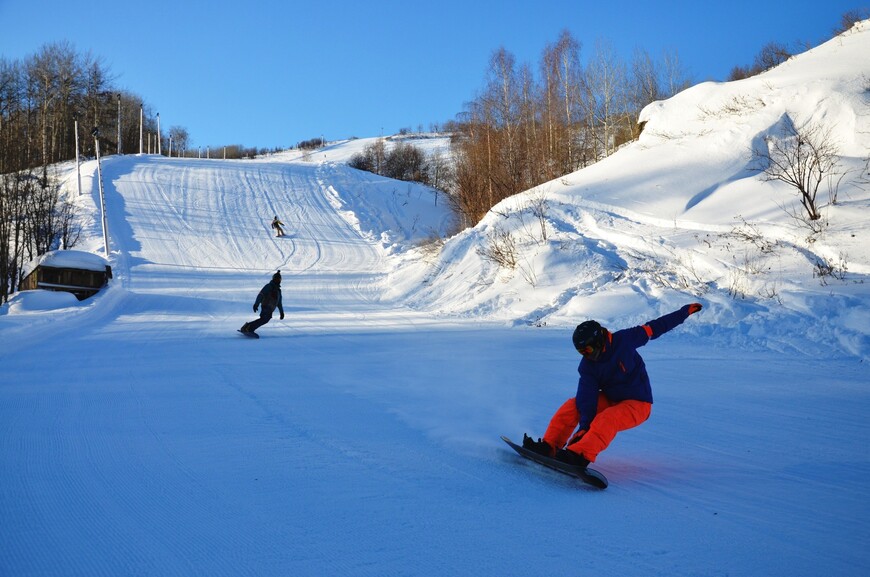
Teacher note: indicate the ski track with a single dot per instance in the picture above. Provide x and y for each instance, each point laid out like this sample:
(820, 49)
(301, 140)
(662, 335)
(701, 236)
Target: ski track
(359, 437)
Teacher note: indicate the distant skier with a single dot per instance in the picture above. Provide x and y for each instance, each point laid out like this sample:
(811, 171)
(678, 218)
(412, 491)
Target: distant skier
(270, 299)
(613, 394)
(277, 224)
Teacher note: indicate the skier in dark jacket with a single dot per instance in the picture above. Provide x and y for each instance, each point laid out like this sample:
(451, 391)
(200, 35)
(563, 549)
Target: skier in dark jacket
(277, 224)
(270, 299)
(613, 394)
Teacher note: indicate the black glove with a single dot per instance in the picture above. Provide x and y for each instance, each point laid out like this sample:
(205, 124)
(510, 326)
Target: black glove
(282, 315)
(576, 437)
(255, 308)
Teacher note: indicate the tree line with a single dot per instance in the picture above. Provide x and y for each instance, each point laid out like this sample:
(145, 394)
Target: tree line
(42, 99)
(404, 161)
(775, 53)
(530, 126)
(44, 95)
(34, 219)
(526, 128)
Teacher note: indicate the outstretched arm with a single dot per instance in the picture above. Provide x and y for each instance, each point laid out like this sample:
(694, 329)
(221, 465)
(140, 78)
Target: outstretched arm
(661, 325)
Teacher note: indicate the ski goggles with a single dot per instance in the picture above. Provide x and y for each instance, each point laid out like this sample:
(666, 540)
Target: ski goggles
(590, 351)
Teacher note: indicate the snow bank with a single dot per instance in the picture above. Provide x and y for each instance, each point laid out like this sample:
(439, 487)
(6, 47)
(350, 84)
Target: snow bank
(40, 301)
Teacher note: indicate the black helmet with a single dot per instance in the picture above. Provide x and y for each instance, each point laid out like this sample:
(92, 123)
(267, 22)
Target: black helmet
(589, 339)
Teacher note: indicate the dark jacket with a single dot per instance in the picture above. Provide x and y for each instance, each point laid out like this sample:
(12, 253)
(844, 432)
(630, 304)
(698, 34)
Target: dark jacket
(270, 299)
(620, 372)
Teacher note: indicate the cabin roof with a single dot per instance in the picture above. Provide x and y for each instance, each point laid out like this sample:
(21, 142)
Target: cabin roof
(70, 259)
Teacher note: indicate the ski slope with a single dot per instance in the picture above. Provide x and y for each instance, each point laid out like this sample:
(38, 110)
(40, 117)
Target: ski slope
(141, 435)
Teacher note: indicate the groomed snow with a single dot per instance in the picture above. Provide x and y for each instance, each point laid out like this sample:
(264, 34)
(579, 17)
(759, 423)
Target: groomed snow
(141, 435)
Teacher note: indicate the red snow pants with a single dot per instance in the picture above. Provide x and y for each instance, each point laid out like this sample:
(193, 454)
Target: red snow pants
(612, 417)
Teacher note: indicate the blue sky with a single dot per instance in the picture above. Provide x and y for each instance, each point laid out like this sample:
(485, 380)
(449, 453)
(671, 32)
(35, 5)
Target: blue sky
(273, 72)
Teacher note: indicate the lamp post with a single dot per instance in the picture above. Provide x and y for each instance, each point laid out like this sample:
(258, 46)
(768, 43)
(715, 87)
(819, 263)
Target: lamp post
(119, 123)
(78, 157)
(96, 134)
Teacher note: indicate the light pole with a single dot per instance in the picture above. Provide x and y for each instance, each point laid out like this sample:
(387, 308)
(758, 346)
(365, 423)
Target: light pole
(96, 134)
(78, 157)
(119, 123)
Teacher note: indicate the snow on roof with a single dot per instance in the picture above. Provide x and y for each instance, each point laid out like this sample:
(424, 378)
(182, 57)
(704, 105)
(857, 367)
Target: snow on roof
(71, 259)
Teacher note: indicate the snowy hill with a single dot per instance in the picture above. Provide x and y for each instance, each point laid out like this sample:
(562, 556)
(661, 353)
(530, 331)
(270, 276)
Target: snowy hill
(141, 435)
(682, 213)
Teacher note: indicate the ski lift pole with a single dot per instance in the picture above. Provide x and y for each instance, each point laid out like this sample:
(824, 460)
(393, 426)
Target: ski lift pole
(119, 124)
(96, 133)
(78, 159)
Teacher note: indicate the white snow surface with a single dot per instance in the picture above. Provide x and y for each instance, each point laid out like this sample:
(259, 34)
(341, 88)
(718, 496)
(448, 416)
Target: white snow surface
(141, 435)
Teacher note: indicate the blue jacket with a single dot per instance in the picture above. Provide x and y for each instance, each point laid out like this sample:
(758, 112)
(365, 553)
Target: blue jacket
(620, 372)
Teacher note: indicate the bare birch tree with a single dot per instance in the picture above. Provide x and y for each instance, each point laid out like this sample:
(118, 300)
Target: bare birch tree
(606, 78)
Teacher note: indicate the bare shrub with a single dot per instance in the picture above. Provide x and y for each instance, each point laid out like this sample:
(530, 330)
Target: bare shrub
(825, 269)
(749, 233)
(771, 55)
(850, 18)
(430, 247)
(539, 207)
(739, 105)
(500, 249)
(801, 157)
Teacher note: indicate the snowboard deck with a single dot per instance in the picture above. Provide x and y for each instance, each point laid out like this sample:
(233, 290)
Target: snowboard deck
(249, 335)
(587, 475)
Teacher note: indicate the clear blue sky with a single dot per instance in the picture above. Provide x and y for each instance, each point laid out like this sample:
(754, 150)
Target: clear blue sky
(273, 72)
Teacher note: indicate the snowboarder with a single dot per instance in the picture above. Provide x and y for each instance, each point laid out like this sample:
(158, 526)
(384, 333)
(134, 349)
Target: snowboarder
(277, 224)
(613, 394)
(270, 299)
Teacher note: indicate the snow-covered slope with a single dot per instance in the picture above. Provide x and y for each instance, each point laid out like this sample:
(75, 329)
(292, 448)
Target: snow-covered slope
(141, 435)
(682, 213)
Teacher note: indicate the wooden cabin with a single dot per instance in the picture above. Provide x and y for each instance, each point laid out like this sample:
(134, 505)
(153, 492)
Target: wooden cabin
(75, 271)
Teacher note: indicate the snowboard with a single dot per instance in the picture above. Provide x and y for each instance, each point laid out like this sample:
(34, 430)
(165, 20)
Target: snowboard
(587, 475)
(249, 335)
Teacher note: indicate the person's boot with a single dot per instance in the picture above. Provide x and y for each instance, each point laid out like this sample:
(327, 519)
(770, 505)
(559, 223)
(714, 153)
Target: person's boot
(572, 458)
(540, 446)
